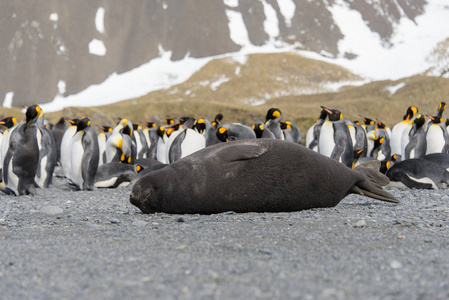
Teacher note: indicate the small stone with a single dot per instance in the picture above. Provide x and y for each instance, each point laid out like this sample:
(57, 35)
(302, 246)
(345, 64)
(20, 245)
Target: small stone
(360, 223)
(395, 264)
(266, 251)
(51, 210)
(92, 225)
(180, 220)
(139, 223)
(3, 222)
(114, 221)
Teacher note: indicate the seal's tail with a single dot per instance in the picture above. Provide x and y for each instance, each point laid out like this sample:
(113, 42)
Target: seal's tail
(372, 182)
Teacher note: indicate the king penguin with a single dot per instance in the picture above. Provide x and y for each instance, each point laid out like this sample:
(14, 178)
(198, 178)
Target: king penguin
(204, 126)
(291, 132)
(313, 134)
(335, 138)
(84, 155)
(188, 141)
(152, 137)
(102, 139)
(11, 124)
(261, 131)
(272, 122)
(417, 173)
(398, 129)
(417, 143)
(436, 136)
(21, 159)
(48, 156)
(228, 131)
(65, 146)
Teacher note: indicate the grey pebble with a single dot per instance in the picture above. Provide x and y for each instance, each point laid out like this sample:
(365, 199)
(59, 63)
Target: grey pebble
(114, 221)
(266, 251)
(92, 225)
(139, 223)
(360, 223)
(51, 210)
(180, 220)
(395, 264)
(3, 222)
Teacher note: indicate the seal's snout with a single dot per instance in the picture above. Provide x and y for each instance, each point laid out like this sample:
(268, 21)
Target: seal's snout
(133, 199)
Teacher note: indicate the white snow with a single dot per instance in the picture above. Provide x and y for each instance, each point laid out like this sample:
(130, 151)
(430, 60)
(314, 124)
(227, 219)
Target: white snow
(231, 3)
(214, 85)
(54, 17)
(411, 43)
(237, 28)
(287, 8)
(159, 73)
(97, 47)
(271, 23)
(7, 102)
(61, 87)
(392, 89)
(99, 20)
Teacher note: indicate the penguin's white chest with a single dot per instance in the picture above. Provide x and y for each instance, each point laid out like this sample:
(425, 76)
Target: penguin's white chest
(435, 139)
(192, 143)
(76, 159)
(327, 143)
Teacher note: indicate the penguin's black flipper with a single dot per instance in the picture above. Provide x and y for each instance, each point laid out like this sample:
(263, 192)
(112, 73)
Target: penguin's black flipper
(372, 182)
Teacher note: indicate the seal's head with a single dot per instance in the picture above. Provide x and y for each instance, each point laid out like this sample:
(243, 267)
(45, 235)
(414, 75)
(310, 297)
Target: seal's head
(141, 197)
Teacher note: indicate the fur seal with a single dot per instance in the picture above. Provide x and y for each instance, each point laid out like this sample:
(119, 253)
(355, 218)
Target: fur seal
(257, 175)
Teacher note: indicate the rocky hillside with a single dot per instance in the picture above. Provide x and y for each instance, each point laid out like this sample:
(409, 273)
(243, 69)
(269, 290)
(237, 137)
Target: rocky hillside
(51, 47)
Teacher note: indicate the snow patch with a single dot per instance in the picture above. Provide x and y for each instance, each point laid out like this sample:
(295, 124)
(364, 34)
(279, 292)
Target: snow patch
(54, 17)
(392, 89)
(287, 8)
(61, 87)
(99, 20)
(158, 73)
(214, 85)
(237, 28)
(231, 3)
(410, 44)
(7, 102)
(271, 23)
(97, 47)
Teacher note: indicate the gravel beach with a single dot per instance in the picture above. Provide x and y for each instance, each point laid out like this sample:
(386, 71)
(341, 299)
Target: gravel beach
(63, 244)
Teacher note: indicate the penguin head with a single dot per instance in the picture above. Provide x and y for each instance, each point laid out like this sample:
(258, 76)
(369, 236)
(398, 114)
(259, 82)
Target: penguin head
(8, 122)
(222, 134)
(161, 131)
(411, 112)
(106, 129)
(441, 108)
(420, 120)
(127, 130)
(169, 121)
(200, 126)
(258, 128)
(150, 124)
(435, 119)
(217, 120)
(73, 122)
(273, 114)
(83, 124)
(285, 125)
(333, 114)
(32, 113)
(367, 121)
(380, 125)
(170, 130)
(137, 127)
(138, 169)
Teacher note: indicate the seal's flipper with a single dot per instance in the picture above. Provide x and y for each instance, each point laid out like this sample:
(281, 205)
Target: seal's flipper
(372, 183)
(240, 152)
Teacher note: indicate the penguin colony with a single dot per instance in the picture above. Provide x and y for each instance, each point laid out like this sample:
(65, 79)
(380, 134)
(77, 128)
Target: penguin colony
(413, 153)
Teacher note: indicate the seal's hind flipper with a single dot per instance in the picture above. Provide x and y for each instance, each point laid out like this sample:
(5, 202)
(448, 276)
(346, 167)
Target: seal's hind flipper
(372, 183)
